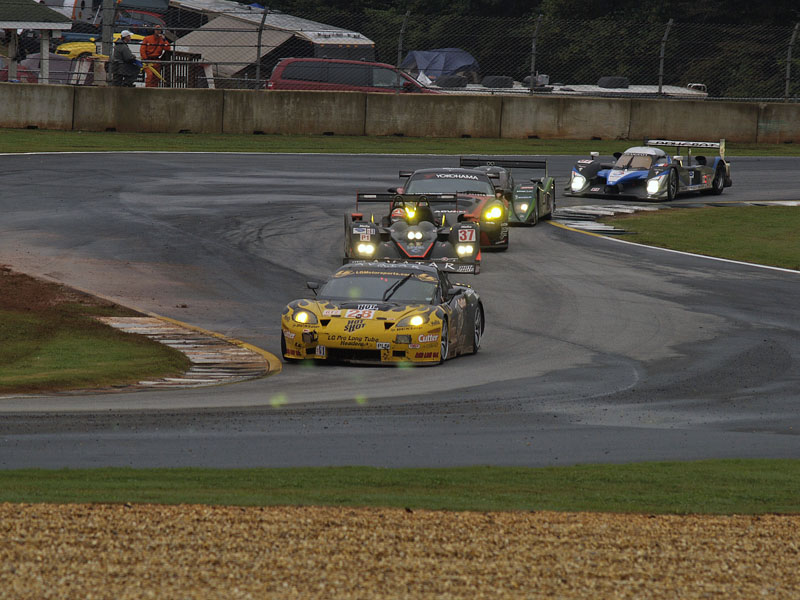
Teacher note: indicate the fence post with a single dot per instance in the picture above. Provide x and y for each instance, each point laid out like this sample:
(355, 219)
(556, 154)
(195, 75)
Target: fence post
(789, 63)
(661, 57)
(258, 49)
(400, 39)
(533, 53)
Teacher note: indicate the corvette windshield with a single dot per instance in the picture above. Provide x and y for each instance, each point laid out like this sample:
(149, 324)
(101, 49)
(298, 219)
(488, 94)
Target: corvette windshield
(397, 287)
(634, 161)
(450, 183)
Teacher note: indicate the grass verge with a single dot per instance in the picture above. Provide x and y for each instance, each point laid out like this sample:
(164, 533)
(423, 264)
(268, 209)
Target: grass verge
(703, 487)
(51, 341)
(28, 140)
(764, 235)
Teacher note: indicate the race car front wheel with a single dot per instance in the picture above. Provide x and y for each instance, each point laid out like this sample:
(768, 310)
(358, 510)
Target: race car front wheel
(283, 351)
(444, 348)
(672, 185)
(719, 181)
(477, 330)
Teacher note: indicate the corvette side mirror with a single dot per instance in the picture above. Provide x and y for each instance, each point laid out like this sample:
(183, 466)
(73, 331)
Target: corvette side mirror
(313, 286)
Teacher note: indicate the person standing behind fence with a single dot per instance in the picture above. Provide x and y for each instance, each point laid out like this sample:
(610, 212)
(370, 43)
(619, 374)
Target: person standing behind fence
(153, 47)
(125, 65)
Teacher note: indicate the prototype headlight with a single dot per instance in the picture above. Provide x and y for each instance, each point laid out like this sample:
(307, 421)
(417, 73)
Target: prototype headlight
(577, 183)
(464, 249)
(410, 212)
(305, 317)
(523, 207)
(366, 249)
(493, 213)
(414, 235)
(654, 184)
(412, 321)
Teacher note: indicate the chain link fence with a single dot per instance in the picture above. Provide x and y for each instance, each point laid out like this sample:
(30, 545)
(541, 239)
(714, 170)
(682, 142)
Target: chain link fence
(538, 55)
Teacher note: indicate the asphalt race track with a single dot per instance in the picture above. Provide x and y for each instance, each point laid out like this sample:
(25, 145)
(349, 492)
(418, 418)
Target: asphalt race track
(595, 351)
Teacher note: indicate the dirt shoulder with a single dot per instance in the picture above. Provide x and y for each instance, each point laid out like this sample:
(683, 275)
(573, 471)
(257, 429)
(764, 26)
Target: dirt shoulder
(136, 551)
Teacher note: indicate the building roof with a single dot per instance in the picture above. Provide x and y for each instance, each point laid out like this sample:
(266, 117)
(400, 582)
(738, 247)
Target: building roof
(230, 43)
(319, 33)
(29, 14)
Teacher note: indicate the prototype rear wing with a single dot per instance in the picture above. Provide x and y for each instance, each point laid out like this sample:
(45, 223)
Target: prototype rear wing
(398, 198)
(445, 265)
(510, 163)
(720, 145)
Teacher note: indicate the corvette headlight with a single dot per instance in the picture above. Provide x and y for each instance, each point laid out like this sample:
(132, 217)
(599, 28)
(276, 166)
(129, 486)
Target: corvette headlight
(415, 235)
(577, 183)
(366, 249)
(654, 184)
(305, 317)
(412, 321)
(464, 249)
(493, 213)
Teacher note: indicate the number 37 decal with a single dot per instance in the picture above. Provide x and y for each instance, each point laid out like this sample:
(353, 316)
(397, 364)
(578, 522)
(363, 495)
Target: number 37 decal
(466, 235)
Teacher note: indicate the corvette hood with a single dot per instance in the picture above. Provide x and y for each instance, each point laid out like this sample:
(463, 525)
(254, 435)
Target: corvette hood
(332, 310)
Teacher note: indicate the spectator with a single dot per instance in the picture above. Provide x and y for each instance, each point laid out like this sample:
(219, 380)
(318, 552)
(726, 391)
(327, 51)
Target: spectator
(153, 47)
(124, 64)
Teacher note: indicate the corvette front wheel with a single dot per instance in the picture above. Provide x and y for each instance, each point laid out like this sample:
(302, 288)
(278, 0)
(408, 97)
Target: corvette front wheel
(477, 330)
(444, 347)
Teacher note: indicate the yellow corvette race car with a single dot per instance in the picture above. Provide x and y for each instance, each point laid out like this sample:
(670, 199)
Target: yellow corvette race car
(384, 312)
(89, 47)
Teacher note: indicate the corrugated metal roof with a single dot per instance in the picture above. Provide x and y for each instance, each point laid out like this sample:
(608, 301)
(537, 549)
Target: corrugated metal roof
(311, 30)
(230, 43)
(28, 14)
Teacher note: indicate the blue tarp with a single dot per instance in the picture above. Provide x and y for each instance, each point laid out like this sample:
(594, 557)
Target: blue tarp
(443, 61)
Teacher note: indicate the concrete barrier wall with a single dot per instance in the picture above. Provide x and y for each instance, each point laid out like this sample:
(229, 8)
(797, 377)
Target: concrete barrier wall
(148, 110)
(778, 123)
(694, 120)
(45, 106)
(413, 115)
(285, 112)
(565, 118)
(433, 115)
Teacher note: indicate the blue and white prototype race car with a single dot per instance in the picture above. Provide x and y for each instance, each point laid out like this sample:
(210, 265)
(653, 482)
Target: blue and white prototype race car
(649, 173)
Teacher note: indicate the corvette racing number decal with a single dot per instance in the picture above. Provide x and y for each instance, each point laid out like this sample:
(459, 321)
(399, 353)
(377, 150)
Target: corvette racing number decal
(359, 313)
(466, 235)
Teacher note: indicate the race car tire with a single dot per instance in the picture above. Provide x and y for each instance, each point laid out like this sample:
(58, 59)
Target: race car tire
(497, 81)
(672, 185)
(444, 346)
(550, 200)
(719, 181)
(283, 351)
(477, 329)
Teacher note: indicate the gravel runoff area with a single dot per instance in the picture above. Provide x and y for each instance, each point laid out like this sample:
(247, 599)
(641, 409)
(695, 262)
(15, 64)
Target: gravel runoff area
(155, 551)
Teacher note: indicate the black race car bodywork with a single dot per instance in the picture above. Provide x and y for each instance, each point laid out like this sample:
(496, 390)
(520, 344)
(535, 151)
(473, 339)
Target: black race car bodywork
(649, 173)
(478, 201)
(409, 230)
(530, 198)
(384, 313)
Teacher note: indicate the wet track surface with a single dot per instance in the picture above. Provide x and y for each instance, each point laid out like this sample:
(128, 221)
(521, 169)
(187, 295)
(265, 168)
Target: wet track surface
(595, 351)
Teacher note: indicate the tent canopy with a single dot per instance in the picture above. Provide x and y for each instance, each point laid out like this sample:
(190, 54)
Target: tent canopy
(439, 62)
